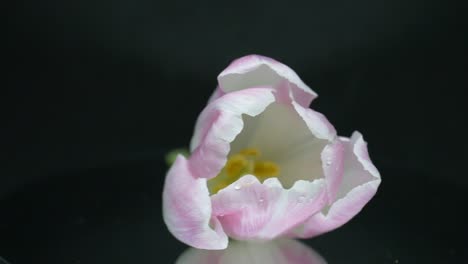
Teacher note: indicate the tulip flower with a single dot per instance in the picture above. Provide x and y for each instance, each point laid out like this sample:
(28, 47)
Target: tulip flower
(263, 165)
(273, 252)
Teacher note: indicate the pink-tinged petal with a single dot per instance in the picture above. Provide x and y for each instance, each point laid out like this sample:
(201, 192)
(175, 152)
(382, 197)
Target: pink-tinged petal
(360, 182)
(219, 123)
(273, 252)
(187, 209)
(255, 70)
(216, 94)
(332, 154)
(316, 122)
(248, 209)
(333, 166)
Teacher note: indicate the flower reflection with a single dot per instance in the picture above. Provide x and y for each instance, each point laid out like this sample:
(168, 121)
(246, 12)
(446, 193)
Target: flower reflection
(275, 252)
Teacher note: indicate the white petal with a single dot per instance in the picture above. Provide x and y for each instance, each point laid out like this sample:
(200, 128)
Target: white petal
(255, 70)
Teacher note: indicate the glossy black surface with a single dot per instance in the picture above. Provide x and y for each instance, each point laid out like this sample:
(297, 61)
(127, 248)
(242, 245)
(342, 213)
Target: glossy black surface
(112, 214)
(101, 90)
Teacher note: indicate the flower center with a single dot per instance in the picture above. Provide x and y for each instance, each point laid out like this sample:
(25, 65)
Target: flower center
(247, 161)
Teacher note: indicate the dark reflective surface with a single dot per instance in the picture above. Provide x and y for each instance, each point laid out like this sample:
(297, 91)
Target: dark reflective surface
(3, 261)
(112, 214)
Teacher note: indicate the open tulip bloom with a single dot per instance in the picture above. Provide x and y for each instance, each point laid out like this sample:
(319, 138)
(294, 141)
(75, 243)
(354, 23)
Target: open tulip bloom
(264, 165)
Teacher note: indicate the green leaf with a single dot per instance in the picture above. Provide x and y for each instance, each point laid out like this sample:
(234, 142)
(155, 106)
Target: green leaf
(172, 155)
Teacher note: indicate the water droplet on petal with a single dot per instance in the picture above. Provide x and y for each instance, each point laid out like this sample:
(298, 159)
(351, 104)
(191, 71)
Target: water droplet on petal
(261, 200)
(237, 187)
(301, 199)
(328, 163)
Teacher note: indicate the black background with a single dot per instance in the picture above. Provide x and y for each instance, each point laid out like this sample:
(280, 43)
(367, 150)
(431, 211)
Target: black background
(102, 89)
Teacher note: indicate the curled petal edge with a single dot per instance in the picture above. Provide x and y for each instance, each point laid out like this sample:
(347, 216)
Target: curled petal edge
(241, 74)
(250, 210)
(360, 183)
(187, 209)
(218, 125)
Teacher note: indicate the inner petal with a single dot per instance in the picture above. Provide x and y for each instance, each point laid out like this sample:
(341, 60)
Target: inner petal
(247, 161)
(261, 76)
(284, 139)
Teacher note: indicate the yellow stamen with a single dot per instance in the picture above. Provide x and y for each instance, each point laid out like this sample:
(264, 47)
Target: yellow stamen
(250, 152)
(266, 169)
(238, 165)
(235, 165)
(219, 186)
